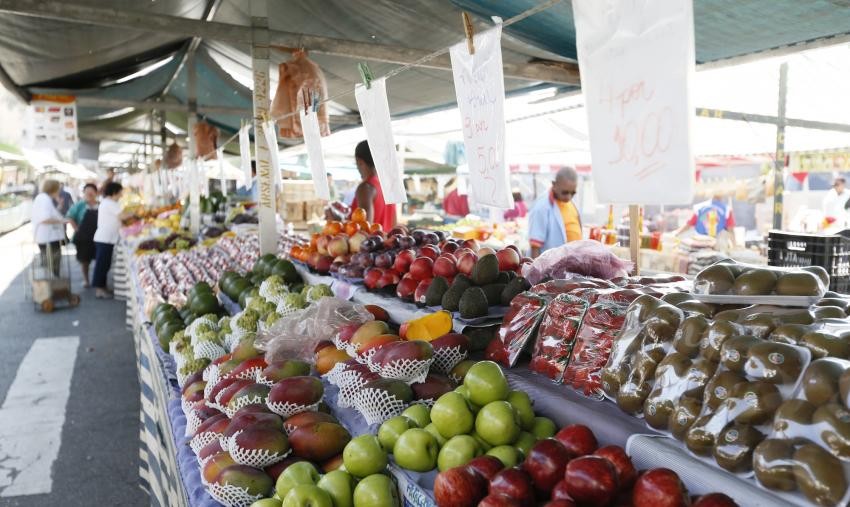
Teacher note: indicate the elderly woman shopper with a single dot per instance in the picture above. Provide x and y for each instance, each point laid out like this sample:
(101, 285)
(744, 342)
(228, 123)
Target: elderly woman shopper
(83, 216)
(48, 225)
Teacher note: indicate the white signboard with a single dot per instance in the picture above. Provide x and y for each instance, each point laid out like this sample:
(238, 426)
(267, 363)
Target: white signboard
(313, 140)
(271, 138)
(637, 64)
(480, 89)
(245, 154)
(51, 123)
(375, 113)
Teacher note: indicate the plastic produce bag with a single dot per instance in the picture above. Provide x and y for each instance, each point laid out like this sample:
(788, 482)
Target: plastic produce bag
(173, 156)
(295, 78)
(601, 324)
(519, 326)
(206, 140)
(296, 335)
(556, 336)
(585, 257)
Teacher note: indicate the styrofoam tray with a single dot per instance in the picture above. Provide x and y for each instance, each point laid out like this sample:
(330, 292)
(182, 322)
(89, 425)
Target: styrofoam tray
(722, 299)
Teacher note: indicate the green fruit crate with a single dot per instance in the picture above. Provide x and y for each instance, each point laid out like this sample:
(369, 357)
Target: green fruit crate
(831, 252)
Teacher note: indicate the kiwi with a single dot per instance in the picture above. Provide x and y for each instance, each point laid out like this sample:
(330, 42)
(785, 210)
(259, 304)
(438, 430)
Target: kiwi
(696, 308)
(839, 302)
(676, 298)
(797, 317)
(789, 333)
(828, 312)
(821, 381)
(720, 387)
(715, 335)
(759, 325)
(773, 464)
(735, 352)
(657, 410)
(698, 377)
(754, 402)
(643, 306)
(613, 378)
(819, 475)
(702, 435)
(792, 415)
(668, 314)
(833, 426)
(715, 279)
(730, 315)
(818, 271)
(844, 388)
(689, 334)
(734, 448)
(777, 363)
(755, 282)
(683, 416)
(800, 283)
(634, 391)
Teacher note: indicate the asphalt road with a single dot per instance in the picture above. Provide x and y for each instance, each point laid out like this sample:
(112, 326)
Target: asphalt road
(83, 449)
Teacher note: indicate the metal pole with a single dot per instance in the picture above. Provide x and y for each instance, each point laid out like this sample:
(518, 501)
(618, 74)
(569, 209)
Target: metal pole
(194, 177)
(265, 179)
(779, 161)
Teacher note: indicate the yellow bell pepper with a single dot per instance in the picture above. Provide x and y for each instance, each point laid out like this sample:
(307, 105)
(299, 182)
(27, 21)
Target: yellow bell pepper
(428, 327)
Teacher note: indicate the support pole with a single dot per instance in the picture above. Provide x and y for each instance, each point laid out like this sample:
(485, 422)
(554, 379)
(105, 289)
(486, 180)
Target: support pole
(634, 236)
(195, 175)
(260, 66)
(779, 161)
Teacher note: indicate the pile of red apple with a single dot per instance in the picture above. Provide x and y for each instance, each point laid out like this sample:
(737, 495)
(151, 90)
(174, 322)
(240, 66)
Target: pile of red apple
(567, 470)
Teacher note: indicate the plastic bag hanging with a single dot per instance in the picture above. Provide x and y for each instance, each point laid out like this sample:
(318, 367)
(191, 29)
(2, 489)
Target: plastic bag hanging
(294, 78)
(173, 156)
(206, 140)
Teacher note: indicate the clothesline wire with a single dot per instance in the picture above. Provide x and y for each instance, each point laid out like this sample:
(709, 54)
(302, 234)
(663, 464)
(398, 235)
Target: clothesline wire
(416, 63)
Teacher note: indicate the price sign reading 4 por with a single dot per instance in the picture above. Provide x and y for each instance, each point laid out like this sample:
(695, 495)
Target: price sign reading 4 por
(480, 89)
(637, 65)
(375, 113)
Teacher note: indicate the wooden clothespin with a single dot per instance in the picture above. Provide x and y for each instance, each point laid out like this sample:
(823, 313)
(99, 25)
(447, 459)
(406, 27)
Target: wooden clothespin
(306, 96)
(365, 74)
(470, 32)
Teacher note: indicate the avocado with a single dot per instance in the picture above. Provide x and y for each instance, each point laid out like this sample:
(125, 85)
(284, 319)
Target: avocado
(480, 337)
(514, 287)
(434, 294)
(486, 270)
(451, 298)
(473, 302)
(493, 292)
(462, 281)
(503, 277)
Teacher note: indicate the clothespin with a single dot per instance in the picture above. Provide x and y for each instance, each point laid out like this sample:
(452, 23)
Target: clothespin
(365, 74)
(315, 96)
(305, 95)
(470, 32)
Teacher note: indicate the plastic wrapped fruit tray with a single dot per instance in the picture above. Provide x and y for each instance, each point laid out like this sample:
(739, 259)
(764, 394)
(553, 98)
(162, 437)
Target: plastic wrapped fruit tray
(723, 299)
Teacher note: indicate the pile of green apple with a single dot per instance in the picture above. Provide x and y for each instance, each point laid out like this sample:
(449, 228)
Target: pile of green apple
(481, 416)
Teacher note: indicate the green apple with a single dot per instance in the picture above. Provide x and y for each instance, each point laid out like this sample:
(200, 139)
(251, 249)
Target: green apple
(452, 416)
(419, 414)
(486, 383)
(340, 486)
(525, 442)
(377, 490)
(457, 451)
(543, 427)
(522, 403)
(266, 502)
(507, 454)
(391, 429)
(307, 495)
(416, 450)
(498, 423)
(463, 391)
(433, 430)
(302, 472)
(481, 442)
(364, 456)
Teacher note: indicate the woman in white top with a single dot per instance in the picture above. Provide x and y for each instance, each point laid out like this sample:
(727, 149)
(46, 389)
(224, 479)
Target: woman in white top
(48, 225)
(109, 218)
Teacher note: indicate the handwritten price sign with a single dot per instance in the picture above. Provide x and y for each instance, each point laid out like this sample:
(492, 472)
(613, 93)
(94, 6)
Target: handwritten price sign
(637, 65)
(480, 89)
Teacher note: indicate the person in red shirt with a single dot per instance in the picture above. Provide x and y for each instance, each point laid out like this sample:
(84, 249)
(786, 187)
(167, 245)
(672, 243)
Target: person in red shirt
(369, 195)
(455, 206)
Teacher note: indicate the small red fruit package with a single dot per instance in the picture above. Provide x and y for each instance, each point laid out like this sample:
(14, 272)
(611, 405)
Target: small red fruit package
(556, 336)
(519, 326)
(601, 324)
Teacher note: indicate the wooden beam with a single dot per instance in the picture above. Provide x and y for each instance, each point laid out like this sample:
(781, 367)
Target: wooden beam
(109, 103)
(538, 70)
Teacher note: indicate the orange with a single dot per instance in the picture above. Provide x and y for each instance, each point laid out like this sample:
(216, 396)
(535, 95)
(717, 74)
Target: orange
(295, 252)
(314, 241)
(333, 227)
(376, 228)
(358, 215)
(351, 227)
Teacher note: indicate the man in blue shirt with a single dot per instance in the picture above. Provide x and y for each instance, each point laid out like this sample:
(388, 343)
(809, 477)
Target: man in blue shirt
(554, 219)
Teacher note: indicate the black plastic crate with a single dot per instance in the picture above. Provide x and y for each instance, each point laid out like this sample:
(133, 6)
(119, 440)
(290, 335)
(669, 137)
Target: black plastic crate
(792, 250)
(840, 284)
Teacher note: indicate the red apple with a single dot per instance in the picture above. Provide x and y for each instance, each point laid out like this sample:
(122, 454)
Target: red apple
(487, 466)
(626, 472)
(509, 259)
(403, 260)
(445, 267)
(545, 463)
(389, 278)
(578, 439)
(370, 280)
(459, 487)
(448, 246)
(466, 262)
(559, 492)
(460, 251)
(421, 289)
(659, 487)
(485, 251)
(406, 287)
(471, 244)
(715, 500)
(515, 483)
(429, 251)
(450, 256)
(560, 503)
(500, 500)
(591, 480)
(422, 268)
(515, 249)
(323, 266)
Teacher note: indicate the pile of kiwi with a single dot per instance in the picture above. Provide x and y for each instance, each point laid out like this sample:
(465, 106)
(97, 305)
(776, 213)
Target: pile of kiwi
(730, 278)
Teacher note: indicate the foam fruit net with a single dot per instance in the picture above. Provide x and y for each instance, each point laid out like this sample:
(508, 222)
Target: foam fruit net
(447, 358)
(377, 405)
(250, 373)
(200, 440)
(209, 350)
(263, 380)
(333, 375)
(232, 496)
(192, 422)
(349, 385)
(242, 401)
(287, 409)
(407, 370)
(257, 458)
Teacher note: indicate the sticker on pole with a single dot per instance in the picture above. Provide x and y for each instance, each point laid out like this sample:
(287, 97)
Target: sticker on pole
(375, 113)
(637, 66)
(480, 88)
(313, 140)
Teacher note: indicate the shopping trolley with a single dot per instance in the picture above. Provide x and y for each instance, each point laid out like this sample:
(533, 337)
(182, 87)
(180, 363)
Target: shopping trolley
(50, 278)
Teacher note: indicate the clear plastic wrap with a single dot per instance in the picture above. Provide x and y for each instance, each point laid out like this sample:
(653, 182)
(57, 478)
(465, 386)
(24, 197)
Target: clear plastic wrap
(599, 327)
(762, 284)
(295, 336)
(584, 257)
(556, 336)
(519, 326)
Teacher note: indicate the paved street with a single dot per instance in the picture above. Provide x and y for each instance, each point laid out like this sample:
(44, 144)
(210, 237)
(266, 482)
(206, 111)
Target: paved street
(69, 395)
